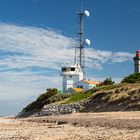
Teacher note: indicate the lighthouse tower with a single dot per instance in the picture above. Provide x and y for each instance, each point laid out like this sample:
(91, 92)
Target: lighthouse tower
(73, 73)
(137, 62)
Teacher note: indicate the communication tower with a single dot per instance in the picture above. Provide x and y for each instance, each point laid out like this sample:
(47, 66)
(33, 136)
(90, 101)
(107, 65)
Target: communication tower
(80, 51)
(72, 73)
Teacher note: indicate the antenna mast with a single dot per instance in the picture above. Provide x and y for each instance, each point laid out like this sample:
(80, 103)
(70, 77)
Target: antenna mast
(80, 52)
(81, 44)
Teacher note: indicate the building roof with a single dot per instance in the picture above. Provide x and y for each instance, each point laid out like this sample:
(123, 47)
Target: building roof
(91, 82)
(77, 89)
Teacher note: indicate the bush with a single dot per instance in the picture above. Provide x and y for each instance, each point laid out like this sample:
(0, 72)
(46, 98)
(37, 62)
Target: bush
(58, 97)
(50, 92)
(108, 81)
(33, 106)
(132, 78)
(41, 100)
(48, 97)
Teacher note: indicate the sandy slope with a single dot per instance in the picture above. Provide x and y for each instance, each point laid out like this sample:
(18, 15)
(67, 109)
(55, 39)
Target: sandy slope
(85, 126)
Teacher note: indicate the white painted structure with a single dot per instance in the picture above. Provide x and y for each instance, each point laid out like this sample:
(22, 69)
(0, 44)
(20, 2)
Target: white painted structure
(74, 73)
(71, 75)
(86, 84)
(137, 62)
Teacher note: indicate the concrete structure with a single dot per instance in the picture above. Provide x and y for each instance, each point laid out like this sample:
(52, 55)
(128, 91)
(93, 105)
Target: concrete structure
(71, 75)
(137, 62)
(86, 84)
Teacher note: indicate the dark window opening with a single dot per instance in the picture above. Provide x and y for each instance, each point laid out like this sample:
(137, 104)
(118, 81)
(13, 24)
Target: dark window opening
(70, 76)
(72, 69)
(63, 69)
(81, 87)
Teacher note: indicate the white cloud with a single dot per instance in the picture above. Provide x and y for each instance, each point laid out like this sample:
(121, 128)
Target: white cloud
(24, 47)
(122, 57)
(96, 58)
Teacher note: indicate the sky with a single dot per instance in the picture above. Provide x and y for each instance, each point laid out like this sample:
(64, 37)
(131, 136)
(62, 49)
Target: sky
(37, 36)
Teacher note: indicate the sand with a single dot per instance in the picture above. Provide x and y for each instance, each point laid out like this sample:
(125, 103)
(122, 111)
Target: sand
(80, 126)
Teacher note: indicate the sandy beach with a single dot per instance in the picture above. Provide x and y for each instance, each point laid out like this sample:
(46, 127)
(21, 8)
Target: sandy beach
(80, 126)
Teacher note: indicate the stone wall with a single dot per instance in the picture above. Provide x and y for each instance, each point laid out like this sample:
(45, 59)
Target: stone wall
(59, 109)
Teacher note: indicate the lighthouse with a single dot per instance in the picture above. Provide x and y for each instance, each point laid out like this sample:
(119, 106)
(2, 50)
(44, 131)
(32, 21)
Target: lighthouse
(137, 62)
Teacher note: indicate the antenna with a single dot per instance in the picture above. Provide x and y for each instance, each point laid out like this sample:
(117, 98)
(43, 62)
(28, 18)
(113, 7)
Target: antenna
(75, 56)
(82, 3)
(79, 50)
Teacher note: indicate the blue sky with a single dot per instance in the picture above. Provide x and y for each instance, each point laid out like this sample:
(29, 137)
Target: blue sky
(37, 36)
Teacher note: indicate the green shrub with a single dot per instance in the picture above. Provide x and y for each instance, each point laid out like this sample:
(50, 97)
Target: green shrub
(50, 96)
(50, 92)
(108, 81)
(133, 78)
(58, 97)
(33, 106)
(41, 100)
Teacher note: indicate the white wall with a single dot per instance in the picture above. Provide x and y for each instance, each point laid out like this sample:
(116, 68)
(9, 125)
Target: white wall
(70, 81)
(137, 66)
(84, 85)
(71, 75)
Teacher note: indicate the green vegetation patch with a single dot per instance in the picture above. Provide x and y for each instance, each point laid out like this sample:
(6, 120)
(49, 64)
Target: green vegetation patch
(51, 96)
(133, 78)
(108, 81)
(58, 97)
(75, 97)
(109, 87)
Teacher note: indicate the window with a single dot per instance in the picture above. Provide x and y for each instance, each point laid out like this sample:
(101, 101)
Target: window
(77, 86)
(72, 69)
(63, 69)
(70, 76)
(81, 87)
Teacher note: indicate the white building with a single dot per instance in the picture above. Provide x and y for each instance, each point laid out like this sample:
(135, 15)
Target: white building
(137, 62)
(71, 75)
(86, 84)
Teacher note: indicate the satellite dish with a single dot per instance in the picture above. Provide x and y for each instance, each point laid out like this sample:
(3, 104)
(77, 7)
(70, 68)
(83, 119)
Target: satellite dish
(87, 41)
(86, 13)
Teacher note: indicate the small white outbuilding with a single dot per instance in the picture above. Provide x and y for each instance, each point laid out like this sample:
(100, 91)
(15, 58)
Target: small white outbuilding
(86, 84)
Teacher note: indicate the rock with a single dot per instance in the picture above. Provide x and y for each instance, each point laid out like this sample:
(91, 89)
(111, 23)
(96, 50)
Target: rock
(60, 109)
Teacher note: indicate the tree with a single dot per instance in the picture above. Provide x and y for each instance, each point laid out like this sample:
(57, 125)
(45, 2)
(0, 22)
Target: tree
(108, 81)
(50, 92)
